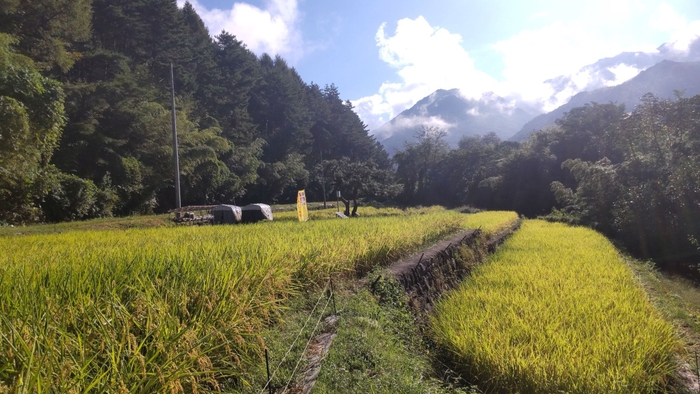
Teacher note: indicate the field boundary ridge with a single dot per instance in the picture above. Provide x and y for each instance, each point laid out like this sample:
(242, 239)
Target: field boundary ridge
(427, 275)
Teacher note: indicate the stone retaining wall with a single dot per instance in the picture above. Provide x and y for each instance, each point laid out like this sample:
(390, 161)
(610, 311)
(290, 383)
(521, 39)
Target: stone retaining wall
(427, 275)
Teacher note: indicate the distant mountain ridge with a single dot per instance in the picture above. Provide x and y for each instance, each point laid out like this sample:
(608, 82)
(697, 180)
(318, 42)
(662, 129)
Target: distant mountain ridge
(661, 80)
(671, 67)
(609, 71)
(457, 115)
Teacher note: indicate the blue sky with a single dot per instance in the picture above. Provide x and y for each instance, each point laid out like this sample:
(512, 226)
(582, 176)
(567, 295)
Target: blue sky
(385, 55)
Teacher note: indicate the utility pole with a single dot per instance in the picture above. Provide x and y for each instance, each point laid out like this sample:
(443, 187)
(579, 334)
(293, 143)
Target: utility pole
(323, 180)
(178, 202)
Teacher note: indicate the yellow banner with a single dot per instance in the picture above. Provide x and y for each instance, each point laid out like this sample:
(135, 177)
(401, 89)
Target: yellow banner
(302, 210)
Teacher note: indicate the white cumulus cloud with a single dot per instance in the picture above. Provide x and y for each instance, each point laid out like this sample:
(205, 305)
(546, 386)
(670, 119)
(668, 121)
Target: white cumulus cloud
(533, 56)
(426, 58)
(683, 33)
(666, 18)
(623, 73)
(543, 67)
(272, 29)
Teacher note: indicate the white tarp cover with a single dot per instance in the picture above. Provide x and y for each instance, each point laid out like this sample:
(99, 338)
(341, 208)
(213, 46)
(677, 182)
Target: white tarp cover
(227, 214)
(256, 212)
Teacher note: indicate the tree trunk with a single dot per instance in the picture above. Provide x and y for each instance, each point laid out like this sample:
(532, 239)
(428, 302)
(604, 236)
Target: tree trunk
(347, 206)
(354, 200)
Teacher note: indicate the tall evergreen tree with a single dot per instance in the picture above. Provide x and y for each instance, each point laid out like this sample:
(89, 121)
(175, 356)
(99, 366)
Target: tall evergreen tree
(32, 113)
(47, 31)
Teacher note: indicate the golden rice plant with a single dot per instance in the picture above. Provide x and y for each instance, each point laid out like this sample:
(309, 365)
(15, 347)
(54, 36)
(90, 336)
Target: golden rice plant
(491, 222)
(557, 310)
(174, 309)
(330, 213)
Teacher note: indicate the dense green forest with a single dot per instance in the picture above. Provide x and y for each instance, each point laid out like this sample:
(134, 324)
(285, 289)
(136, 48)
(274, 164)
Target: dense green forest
(85, 132)
(84, 98)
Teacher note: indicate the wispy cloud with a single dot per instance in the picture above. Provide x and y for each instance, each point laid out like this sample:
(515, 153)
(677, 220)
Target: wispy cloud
(272, 29)
(415, 122)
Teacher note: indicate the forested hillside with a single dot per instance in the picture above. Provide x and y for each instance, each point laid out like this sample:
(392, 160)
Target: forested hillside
(635, 176)
(86, 131)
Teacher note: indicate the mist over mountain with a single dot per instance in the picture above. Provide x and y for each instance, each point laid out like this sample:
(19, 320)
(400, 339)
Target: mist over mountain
(618, 69)
(458, 116)
(623, 79)
(661, 80)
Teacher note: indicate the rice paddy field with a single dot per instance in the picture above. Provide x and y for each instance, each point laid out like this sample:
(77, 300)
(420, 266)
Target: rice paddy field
(491, 222)
(556, 309)
(121, 223)
(178, 309)
(368, 211)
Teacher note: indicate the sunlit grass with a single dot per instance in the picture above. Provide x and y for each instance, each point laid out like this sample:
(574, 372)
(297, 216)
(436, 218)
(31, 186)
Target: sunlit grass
(556, 309)
(172, 309)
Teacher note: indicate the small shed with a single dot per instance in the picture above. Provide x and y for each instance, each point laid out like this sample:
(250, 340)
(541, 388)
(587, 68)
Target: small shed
(256, 212)
(226, 214)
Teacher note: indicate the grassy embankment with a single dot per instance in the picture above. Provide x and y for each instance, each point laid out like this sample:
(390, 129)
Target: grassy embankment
(378, 347)
(557, 309)
(678, 299)
(163, 309)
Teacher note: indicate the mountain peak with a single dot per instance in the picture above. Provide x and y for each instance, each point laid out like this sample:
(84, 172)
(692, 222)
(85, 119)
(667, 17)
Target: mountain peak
(457, 115)
(661, 79)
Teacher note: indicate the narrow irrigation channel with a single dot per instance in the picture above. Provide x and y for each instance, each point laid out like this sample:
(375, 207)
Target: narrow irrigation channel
(383, 308)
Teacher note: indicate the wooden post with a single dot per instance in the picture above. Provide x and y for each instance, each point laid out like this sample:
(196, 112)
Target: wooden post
(335, 312)
(267, 365)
